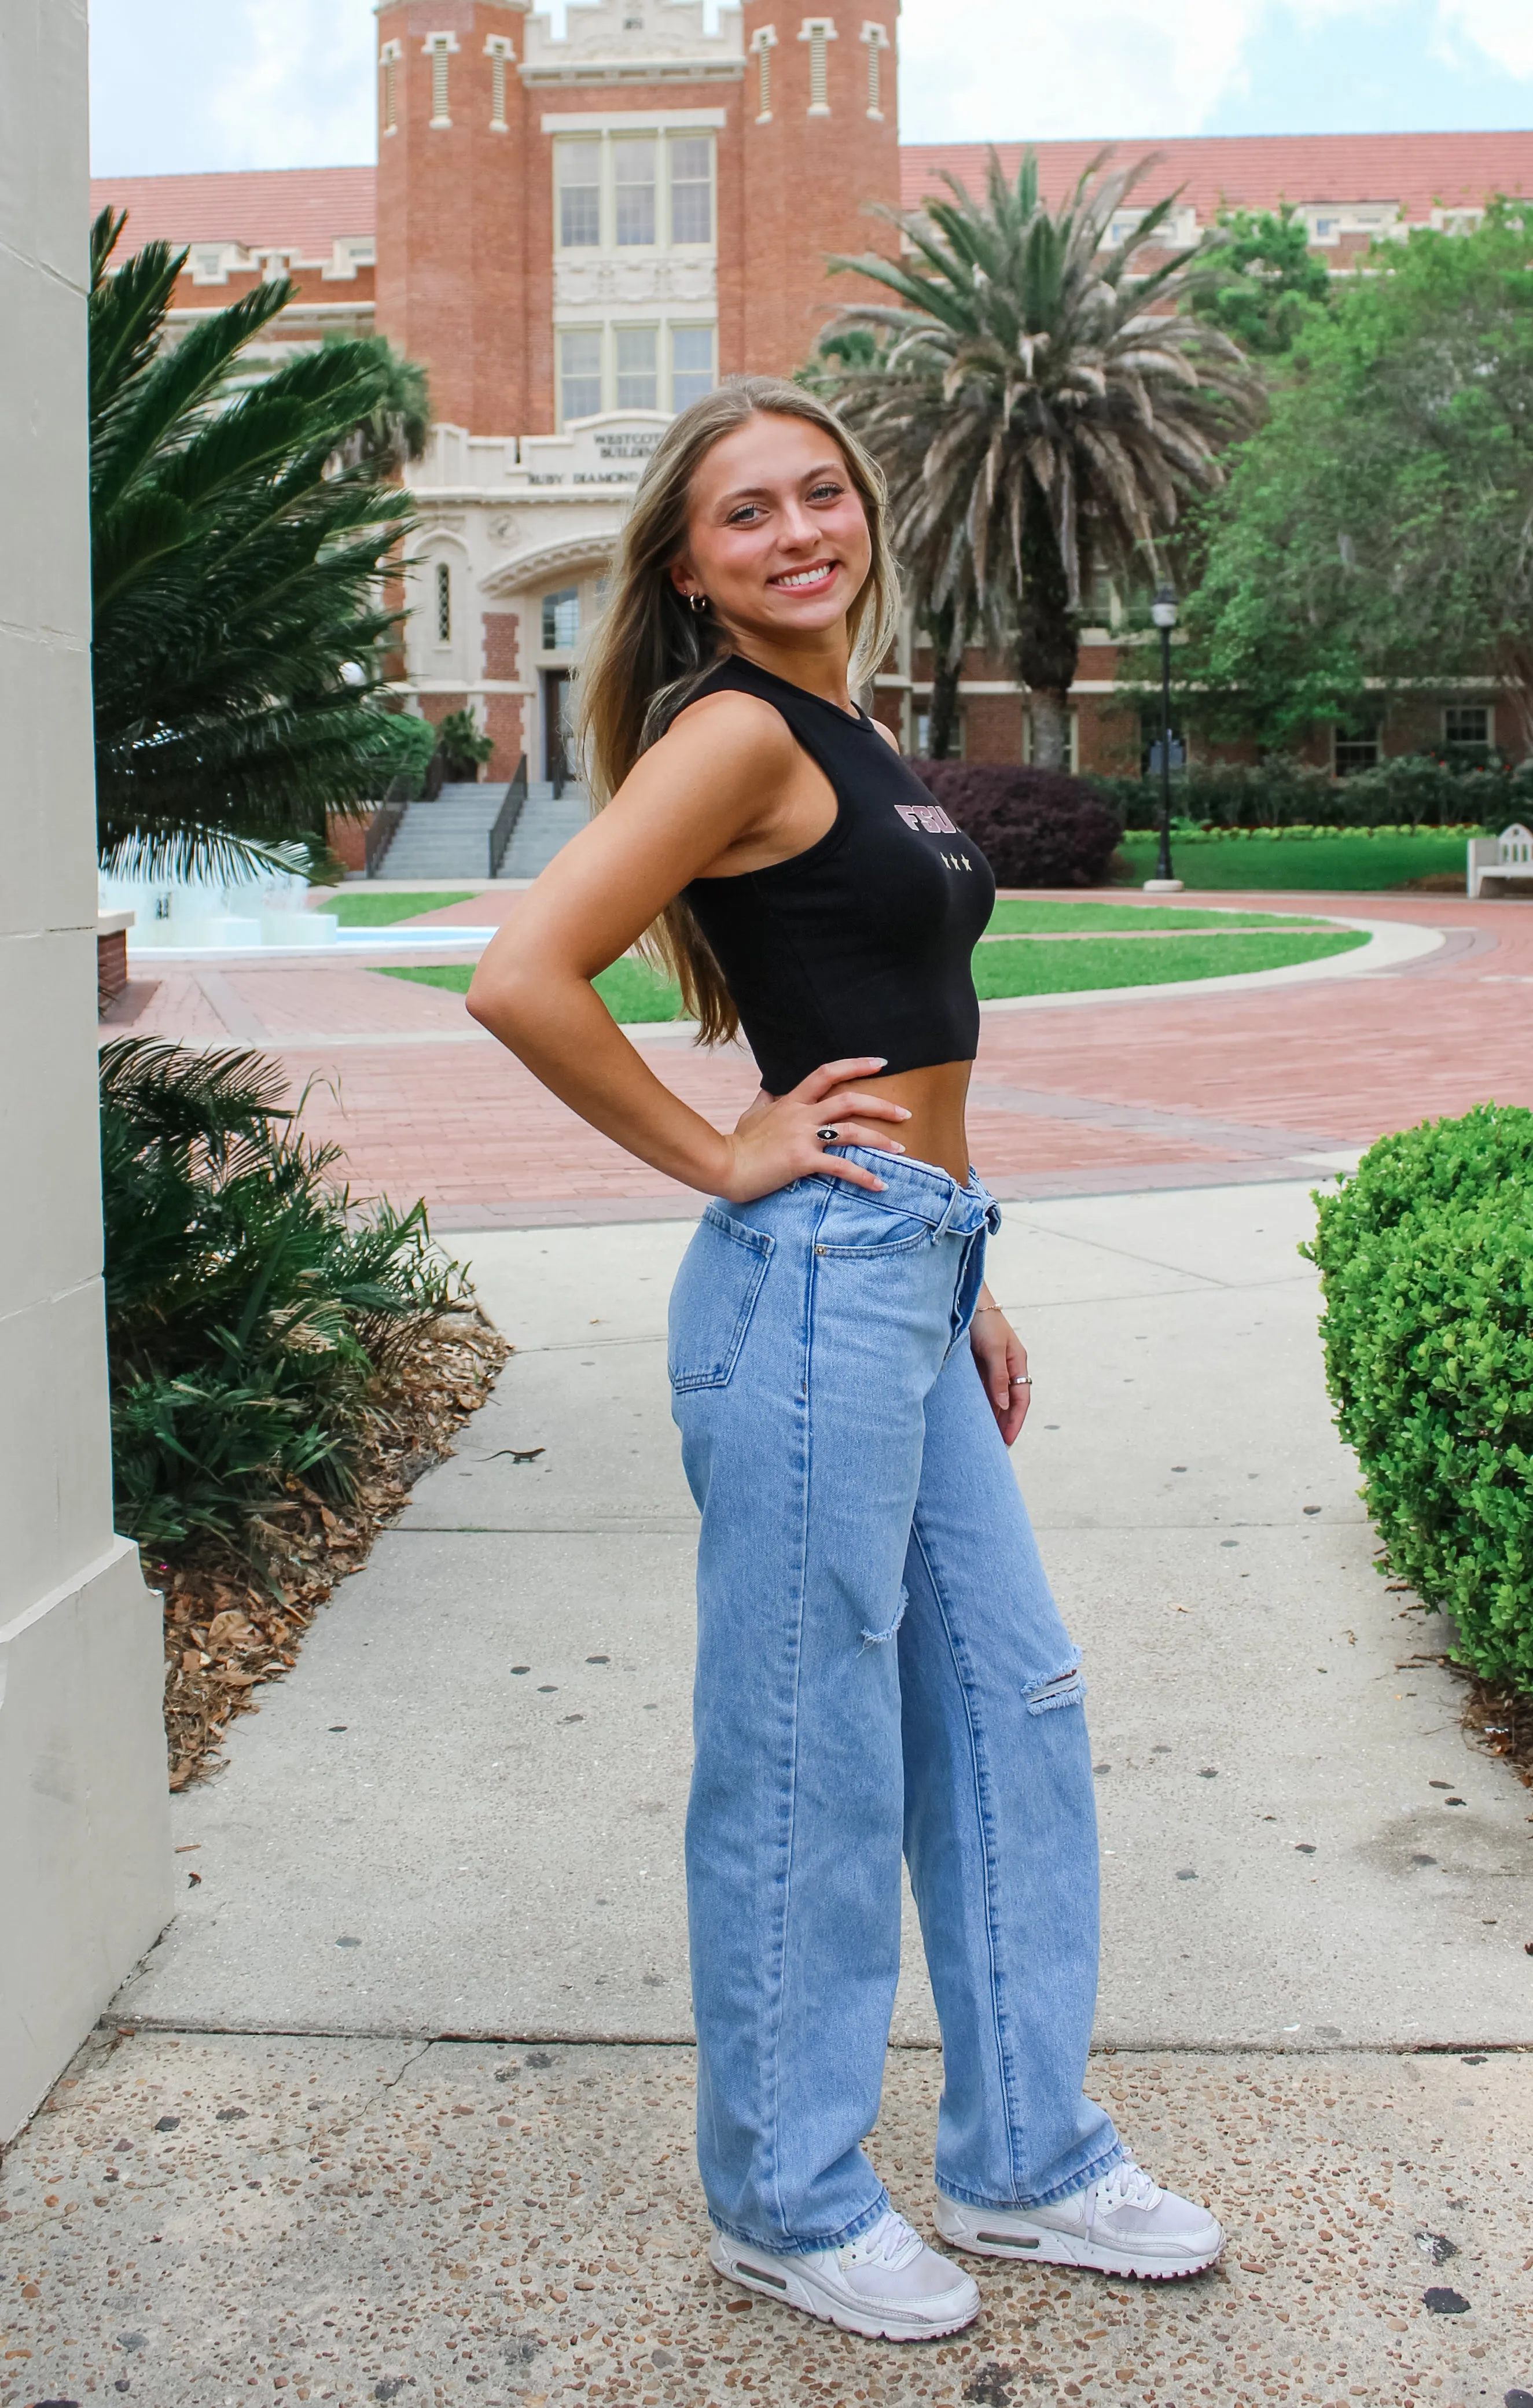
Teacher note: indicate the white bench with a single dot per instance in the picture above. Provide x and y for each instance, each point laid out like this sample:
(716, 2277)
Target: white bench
(1509, 855)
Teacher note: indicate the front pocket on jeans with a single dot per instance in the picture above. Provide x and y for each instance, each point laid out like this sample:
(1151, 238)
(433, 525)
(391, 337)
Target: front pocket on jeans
(714, 1297)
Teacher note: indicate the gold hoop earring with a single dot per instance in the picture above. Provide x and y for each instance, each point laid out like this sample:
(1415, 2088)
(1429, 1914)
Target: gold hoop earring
(697, 601)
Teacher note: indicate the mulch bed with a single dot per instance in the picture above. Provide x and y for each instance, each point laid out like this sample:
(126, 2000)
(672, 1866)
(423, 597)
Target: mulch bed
(1502, 1720)
(235, 1619)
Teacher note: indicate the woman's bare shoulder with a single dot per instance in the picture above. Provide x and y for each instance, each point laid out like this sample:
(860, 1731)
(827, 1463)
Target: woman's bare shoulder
(739, 725)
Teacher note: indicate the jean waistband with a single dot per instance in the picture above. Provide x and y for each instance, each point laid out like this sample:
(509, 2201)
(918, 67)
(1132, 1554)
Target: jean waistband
(924, 1191)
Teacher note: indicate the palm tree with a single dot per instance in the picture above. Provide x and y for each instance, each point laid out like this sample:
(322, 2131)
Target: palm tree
(1041, 412)
(241, 537)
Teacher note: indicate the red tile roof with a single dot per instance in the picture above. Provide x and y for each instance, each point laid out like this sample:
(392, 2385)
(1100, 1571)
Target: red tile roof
(299, 210)
(1419, 171)
(304, 210)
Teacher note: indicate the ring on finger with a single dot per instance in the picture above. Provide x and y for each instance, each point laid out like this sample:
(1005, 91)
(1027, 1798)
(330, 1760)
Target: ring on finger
(828, 1136)
(1026, 1382)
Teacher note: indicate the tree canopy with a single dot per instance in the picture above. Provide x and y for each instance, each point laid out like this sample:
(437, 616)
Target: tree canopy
(1043, 411)
(1378, 531)
(1264, 282)
(241, 537)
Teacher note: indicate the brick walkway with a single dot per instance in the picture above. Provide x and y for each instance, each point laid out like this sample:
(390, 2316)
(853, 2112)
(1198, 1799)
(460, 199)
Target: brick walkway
(1180, 1090)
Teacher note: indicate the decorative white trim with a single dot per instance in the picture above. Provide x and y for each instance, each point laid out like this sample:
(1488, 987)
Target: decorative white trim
(818, 32)
(630, 121)
(763, 43)
(438, 48)
(388, 59)
(877, 39)
(499, 49)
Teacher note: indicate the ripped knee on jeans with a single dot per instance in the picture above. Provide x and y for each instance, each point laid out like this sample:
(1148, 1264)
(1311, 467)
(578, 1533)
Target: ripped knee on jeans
(1065, 1688)
(876, 1638)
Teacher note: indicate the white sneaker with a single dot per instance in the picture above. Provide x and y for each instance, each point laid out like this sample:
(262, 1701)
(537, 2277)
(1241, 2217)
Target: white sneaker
(886, 2285)
(1122, 2224)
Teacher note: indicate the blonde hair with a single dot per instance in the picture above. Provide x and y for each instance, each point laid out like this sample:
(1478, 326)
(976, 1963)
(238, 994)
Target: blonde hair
(651, 651)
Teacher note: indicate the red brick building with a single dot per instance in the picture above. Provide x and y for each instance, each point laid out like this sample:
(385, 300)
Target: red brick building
(576, 236)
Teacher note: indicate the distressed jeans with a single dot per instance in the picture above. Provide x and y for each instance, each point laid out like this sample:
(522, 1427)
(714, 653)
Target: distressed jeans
(880, 1667)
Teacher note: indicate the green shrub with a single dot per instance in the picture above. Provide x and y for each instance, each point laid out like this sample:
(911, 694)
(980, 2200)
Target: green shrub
(463, 744)
(1410, 790)
(405, 745)
(1425, 1257)
(252, 1314)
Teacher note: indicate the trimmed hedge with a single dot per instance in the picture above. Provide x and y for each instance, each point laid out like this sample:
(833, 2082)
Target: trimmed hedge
(1425, 1257)
(1411, 790)
(1035, 827)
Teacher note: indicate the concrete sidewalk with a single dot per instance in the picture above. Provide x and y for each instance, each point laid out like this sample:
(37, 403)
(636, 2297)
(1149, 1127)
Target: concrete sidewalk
(462, 1814)
(400, 2106)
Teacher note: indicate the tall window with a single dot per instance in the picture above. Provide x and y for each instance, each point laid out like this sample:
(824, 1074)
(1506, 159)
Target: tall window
(633, 176)
(561, 620)
(498, 51)
(441, 47)
(692, 189)
(444, 603)
(579, 372)
(764, 42)
(692, 365)
(1356, 747)
(875, 37)
(639, 375)
(578, 167)
(1467, 734)
(389, 57)
(819, 32)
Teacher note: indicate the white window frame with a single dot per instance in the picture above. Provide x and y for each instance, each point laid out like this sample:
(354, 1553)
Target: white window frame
(1486, 742)
(604, 384)
(658, 372)
(609, 132)
(1340, 736)
(1073, 740)
(668, 142)
(670, 331)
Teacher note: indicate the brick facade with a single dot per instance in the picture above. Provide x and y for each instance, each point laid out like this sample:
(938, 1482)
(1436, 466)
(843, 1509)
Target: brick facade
(519, 512)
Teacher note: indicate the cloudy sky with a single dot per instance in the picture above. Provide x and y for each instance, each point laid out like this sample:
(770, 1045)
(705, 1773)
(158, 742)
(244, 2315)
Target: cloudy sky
(177, 85)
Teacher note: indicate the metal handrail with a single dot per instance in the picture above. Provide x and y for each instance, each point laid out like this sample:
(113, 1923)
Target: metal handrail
(379, 834)
(507, 817)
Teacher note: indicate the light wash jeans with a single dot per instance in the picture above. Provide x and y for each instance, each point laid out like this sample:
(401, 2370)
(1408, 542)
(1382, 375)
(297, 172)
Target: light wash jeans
(880, 1664)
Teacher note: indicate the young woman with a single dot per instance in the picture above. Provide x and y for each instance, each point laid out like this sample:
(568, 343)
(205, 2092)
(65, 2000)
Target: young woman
(881, 1666)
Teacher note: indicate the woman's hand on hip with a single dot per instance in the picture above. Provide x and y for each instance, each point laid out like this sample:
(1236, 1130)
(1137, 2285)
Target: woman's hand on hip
(1001, 1360)
(784, 1137)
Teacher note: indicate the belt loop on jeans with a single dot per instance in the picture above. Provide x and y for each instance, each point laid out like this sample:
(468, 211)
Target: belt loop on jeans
(940, 1227)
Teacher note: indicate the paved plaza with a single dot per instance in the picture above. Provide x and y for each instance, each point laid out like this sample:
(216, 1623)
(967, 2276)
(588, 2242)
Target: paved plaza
(399, 2107)
(1069, 1096)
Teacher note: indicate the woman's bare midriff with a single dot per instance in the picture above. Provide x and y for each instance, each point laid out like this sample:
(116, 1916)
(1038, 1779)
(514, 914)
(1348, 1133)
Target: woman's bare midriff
(935, 1099)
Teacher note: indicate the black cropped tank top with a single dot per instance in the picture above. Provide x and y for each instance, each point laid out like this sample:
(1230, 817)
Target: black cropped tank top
(862, 944)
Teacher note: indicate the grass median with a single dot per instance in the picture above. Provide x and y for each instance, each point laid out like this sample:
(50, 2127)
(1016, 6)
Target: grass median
(1026, 959)
(1352, 861)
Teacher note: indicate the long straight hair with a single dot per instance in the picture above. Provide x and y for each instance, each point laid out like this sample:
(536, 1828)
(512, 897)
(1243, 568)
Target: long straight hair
(651, 651)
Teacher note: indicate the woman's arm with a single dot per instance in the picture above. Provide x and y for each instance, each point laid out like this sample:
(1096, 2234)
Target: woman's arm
(709, 794)
(1001, 1360)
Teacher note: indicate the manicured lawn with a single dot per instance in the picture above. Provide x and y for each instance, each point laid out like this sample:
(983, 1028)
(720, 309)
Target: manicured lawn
(1070, 919)
(633, 992)
(1064, 969)
(630, 990)
(354, 908)
(1351, 863)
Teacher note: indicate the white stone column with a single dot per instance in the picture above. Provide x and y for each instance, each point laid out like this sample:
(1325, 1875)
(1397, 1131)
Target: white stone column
(84, 1813)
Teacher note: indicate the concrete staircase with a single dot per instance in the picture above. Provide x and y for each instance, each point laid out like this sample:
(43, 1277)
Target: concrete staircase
(448, 838)
(544, 824)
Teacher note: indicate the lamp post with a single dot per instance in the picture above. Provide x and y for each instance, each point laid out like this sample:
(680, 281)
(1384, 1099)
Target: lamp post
(1163, 612)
